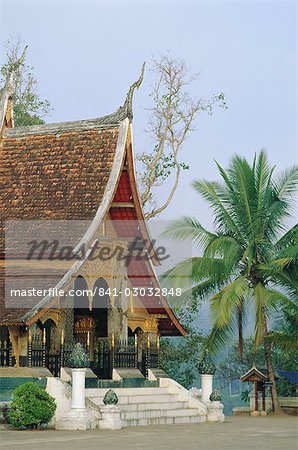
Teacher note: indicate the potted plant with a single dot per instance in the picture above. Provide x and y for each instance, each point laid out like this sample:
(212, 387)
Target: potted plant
(110, 413)
(78, 361)
(207, 369)
(79, 417)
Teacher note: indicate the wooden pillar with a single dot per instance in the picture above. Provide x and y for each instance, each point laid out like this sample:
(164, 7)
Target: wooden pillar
(14, 336)
(256, 396)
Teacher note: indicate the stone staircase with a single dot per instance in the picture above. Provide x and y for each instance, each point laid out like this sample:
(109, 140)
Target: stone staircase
(153, 405)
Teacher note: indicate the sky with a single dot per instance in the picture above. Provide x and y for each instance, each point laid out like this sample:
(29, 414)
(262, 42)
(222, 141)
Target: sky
(87, 53)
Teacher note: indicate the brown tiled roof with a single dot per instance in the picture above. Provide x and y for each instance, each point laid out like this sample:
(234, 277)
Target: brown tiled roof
(55, 176)
(55, 171)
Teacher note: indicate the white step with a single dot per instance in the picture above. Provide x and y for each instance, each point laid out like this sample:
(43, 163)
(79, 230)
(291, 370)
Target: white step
(100, 392)
(161, 421)
(148, 406)
(153, 406)
(150, 414)
(124, 400)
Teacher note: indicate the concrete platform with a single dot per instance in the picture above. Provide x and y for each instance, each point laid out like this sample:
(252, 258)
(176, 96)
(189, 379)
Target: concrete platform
(245, 433)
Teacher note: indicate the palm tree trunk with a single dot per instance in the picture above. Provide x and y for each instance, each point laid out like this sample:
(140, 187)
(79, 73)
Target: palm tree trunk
(268, 357)
(276, 406)
(240, 333)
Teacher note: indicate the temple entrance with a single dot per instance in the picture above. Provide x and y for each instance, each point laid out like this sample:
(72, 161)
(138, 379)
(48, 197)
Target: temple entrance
(91, 316)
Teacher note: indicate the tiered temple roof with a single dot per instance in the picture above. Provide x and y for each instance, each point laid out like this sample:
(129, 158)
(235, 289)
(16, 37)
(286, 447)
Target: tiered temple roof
(80, 170)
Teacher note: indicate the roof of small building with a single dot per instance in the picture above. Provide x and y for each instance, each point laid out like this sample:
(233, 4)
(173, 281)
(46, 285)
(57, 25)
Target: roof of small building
(254, 374)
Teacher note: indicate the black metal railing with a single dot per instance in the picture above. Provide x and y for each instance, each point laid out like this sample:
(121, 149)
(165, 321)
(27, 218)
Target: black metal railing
(109, 354)
(125, 354)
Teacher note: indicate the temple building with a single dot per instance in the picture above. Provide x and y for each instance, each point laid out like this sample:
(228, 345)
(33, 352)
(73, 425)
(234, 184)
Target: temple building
(77, 178)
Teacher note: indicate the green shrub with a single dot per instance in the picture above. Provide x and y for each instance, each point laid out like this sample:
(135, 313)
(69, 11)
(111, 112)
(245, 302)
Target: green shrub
(110, 398)
(206, 365)
(78, 357)
(31, 406)
(215, 396)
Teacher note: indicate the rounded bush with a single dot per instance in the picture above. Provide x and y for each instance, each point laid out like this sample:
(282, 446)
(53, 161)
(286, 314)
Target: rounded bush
(31, 406)
(78, 357)
(206, 365)
(215, 396)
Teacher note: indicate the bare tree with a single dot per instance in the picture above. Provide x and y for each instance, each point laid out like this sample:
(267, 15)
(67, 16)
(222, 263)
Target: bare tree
(172, 118)
(29, 108)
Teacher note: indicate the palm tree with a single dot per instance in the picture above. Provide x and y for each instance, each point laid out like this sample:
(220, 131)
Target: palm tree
(285, 332)
(241, 264)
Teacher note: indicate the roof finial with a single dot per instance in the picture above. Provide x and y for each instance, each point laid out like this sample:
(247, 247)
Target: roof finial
(128, 102)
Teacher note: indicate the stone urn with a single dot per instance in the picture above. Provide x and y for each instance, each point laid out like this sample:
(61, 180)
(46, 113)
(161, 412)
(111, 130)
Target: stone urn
(110, 412)
(206, 369)
(215, 412)
(215, 407)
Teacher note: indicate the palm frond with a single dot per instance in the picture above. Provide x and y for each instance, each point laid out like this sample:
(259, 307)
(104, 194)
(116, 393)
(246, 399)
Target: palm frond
(188, 229)
(213, 193)
(228, 301)
(287, 183)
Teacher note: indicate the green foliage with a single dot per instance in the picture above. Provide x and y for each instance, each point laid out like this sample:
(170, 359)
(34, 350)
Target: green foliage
(215, 396)
(78, 357)
(206, 365)
(31, 406)
(178, 357)
(244, 260)
(29, 108)
(285, 388)
(245, 396)
(110, 398)
(233, 366)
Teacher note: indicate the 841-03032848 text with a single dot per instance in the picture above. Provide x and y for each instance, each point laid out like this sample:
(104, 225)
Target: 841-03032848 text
(100, 291)
(139, 292)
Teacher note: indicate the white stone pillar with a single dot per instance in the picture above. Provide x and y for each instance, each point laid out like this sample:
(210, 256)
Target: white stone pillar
(206, 385)
(78, 389)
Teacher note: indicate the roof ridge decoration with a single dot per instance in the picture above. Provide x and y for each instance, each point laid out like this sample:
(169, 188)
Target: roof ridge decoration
(7, 92)
(126, 111)
(114, 119)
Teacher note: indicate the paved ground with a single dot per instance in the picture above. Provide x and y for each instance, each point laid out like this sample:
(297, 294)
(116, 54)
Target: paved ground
(239, 433)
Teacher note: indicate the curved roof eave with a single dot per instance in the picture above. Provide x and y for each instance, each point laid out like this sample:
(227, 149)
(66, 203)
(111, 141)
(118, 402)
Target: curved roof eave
(140, 214)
